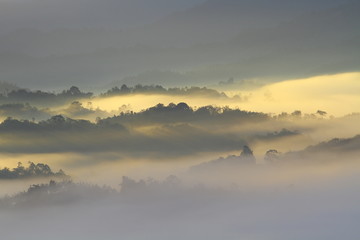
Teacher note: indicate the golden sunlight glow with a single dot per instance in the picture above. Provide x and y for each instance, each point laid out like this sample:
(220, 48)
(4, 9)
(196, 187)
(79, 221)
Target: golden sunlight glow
(140, 101)
(336, 94)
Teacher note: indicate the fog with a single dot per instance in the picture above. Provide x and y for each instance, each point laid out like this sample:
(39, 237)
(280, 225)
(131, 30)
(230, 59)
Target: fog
(263, 202)
(336, 99)
(310, 193)
(179, 119)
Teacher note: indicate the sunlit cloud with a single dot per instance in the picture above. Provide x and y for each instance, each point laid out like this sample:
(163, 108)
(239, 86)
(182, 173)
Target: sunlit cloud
(336, 94)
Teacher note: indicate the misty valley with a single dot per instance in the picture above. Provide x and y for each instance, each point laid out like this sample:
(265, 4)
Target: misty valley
(179, 119)
(173, 170)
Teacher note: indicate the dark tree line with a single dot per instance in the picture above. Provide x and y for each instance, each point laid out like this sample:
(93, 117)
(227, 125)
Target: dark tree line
(182, 112)
(33, 170)
(160, 113)
(74, 93)
(44, 98)
(54, 123)
(157, 89)
(56, 193)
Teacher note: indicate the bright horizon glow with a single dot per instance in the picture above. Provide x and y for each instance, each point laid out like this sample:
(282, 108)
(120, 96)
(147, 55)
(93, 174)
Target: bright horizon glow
(336, 94)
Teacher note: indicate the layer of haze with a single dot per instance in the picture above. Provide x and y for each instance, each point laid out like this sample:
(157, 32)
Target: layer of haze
(337, 94)
(290, 72)
(53, 44)
(260, 203)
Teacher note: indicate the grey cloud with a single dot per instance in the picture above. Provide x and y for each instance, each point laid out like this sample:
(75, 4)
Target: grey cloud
(297, 45)
(82, 14)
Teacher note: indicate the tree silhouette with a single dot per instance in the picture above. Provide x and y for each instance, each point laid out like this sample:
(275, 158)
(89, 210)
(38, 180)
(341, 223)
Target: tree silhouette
(33, 170)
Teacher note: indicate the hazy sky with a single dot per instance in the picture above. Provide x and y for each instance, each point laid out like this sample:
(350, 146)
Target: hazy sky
(49, 14)
(55, 44)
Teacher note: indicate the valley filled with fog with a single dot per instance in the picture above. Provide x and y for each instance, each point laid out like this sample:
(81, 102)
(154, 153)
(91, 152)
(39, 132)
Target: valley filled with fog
(232, 201)
(71, 168)
(179, 119)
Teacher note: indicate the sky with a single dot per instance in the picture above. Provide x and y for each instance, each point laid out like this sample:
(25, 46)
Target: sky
(174, 119)
(56, 44)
